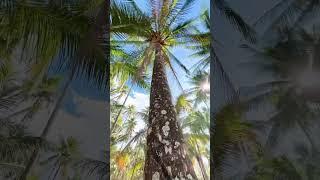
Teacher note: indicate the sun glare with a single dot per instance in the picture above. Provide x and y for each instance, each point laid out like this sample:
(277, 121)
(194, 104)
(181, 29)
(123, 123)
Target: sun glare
(205, 86)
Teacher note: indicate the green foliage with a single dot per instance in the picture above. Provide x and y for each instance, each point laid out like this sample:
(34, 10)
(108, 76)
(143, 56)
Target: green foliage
(276, 168)
(32, 177)
(235, 19)
(43, 36)
(229, 131)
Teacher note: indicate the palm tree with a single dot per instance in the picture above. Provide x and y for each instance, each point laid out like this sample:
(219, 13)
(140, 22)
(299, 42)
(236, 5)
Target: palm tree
(16, 143)
(42, 20)
(127, 154)
(289, 91)
(288, 14)
(275, 168)
(11, 166)
(166, 27)
(205, 48)
(92, 167)
(203, 45)
(183, 104)
(200, 88)
(235, 19)
(302, 166)
(195, 125)
(128, 146)
(63, 30)
(63, 157)
(228, 134)
(123, 70)
(198, 123)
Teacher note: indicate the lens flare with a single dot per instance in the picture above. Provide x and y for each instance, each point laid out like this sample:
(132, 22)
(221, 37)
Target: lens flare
(205, 86)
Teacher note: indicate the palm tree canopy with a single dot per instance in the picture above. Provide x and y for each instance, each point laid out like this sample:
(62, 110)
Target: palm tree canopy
(59, 33)
(163, 24)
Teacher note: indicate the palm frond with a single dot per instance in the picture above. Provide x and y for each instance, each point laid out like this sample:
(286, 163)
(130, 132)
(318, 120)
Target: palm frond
(235, 19)
(96, 168)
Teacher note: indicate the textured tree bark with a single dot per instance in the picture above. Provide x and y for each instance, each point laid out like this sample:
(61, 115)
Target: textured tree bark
(166, 156)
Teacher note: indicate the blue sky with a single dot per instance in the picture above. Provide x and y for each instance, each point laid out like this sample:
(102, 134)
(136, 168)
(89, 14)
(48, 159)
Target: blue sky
(181, 53)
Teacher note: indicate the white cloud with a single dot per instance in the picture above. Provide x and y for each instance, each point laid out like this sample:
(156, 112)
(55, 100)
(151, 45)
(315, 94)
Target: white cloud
(137, 99)
(140, 101)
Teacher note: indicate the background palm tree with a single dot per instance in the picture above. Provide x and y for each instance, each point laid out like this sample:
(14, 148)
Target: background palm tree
(128, 147)
(17, 144)
(123, 71)
(292, 61)
(70, 36)
(198, 123)
(287, 14)
(234, 18)
(200, 88)
(276, 168)
(229, 133)
(64, 156)
(289, 100)
(93, 167)
(68, 46)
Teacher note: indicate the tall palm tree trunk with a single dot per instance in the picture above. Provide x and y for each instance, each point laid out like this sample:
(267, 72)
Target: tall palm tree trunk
(121, 108)
(134, 168)
(202, 167)
(50, 121)
(201, 164)
(166, 156)
(56, 173)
